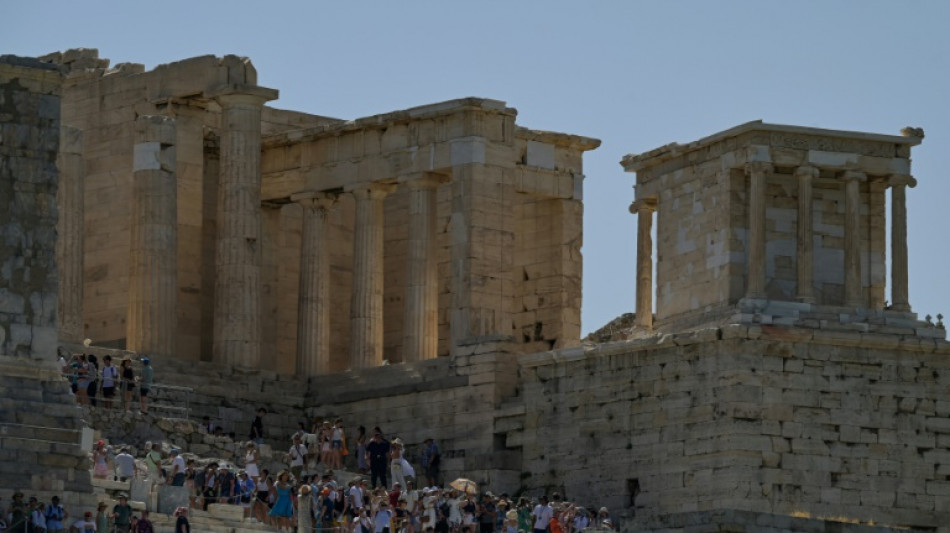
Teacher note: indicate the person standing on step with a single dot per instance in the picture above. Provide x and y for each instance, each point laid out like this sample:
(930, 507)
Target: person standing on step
(109, 377)
(177, 476)
(181, 523)
(377, 454)
(56, 515)
(297, 456)
(145, 384)
(257, 427)
(144, 525)
(128, 382)
(122, 514)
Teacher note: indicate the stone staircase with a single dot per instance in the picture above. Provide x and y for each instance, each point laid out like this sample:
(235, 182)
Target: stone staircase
(40, 429)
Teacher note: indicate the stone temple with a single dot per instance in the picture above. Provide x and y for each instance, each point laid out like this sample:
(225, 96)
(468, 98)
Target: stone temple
(421, 270)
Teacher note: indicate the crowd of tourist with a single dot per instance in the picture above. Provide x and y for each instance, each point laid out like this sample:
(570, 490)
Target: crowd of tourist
(113, 386)
(34, 516)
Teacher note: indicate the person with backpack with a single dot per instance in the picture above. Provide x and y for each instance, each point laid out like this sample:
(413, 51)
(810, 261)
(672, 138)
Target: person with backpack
(55, 516)
(110, 375)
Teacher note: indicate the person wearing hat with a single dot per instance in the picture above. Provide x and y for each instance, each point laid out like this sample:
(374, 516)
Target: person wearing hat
(102, 517)
(145, 384)
(55, 516)
(86, 525)
(122, 514)
(297, 456)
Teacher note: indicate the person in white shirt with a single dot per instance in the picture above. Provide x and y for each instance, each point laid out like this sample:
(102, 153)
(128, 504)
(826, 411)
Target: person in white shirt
(542, 513)
(297, 456)
(177, 477)
(125, 465)
(86, 525)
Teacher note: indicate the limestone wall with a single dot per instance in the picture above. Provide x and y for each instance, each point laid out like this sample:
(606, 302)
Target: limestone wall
(29, 143)
(769, 420)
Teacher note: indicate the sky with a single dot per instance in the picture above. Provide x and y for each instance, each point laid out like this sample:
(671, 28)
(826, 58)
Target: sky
(636, 75)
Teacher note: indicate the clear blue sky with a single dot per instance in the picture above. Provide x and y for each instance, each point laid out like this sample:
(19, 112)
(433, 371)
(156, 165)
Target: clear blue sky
(635, 74)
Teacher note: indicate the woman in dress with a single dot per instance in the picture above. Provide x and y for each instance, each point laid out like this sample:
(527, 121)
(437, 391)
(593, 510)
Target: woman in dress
(250, 462)
(128, 382)
(100, 468)
(326, 450)
(283, 509)
(304, 506)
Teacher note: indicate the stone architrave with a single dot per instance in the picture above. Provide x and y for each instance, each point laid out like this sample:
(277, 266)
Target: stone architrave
(237, 310)
(152, 320)
(366, 307)
(421, 317)
(644, 208)
(806, 175)
(758, 173)
(900, 300)
(72, 171)
(852, 237)
(313, 311)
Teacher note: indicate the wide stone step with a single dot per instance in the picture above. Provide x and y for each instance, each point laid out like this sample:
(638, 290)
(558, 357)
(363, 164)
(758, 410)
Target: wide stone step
(40, 433)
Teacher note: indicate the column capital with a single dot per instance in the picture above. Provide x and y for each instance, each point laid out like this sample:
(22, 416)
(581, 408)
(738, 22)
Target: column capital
(901, 179)
(853, 175)
(758, 166)
(643, 204)
(372, 191)
(235, 94)
(314, 199)
(807, 171)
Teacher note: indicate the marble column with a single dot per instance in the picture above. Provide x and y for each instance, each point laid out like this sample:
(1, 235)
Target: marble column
(806, 174)
(899, 287)
(366, 305)
(644, 208)
(421, 316)
(152, 319)
(237, 309)
(71, 226)
(758, 173)
(853, 294)
(313, 310)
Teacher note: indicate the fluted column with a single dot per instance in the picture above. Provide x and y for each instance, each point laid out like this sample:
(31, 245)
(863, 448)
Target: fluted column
(366, 305)
(237, 310)
(313, 310)
(852, 238)
(421, 316)
(900, 300)
(152, 320)
(644, 208)
(70, 226)
(758, 172)
(806, 174)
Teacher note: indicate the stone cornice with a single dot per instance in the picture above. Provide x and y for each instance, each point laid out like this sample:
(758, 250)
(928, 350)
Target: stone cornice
(634, 162)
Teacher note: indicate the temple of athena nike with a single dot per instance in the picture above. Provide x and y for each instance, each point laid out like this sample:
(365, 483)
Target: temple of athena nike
(421, 270)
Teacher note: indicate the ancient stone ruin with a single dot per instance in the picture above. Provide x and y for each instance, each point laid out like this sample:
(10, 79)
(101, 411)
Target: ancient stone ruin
(421, 270)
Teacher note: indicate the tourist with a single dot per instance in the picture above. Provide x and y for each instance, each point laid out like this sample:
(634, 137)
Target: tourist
(325, 438)
(209, 488)
(377, 454)
(296, 456)
(153, 462)
(93, 373)
(246, 491)
(128, 381)
(338, 444)
(304, 511)
(581, 519)
(102, 518)
(18, 516)
(487, 513)
(181, 523)
(361, 463)
(56, 516)
(177, 477)
(542, 514)
(251, 457)
(86, 525)
(38, 516)
(206, 425)
(145, 384)
(262, 505)
(143, 524)
(100, 466)
(382, 518)
(227, 485)
(257, 427)
(80, 370)
(122, 514)
(110, 376)
(125, 464)
(283, 509)
(399, 466)
(431, 460)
